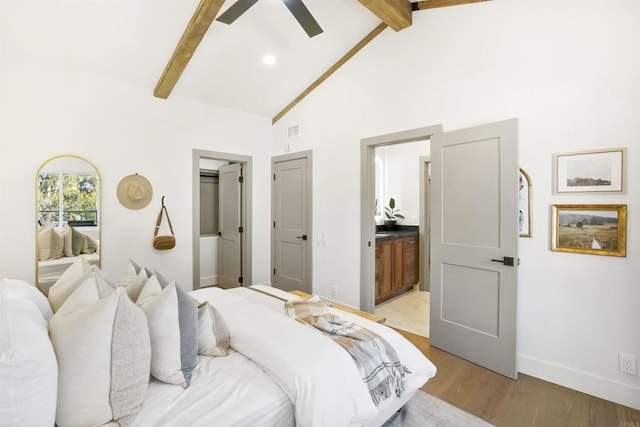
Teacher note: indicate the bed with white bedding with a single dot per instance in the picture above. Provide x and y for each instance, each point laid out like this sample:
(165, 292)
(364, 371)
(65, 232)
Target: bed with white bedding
(279, 372)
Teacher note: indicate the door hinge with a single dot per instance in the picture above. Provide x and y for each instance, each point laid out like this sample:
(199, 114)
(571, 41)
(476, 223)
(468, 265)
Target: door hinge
(241, 229)
(240, 279)
(274, 176)
(241, 179)
(274, 271)
(274, 224)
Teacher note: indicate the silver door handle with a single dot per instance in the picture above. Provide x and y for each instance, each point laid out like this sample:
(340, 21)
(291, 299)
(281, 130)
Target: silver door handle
(303, 237)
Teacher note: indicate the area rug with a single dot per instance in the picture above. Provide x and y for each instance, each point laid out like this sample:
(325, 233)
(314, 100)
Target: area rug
(425, 410)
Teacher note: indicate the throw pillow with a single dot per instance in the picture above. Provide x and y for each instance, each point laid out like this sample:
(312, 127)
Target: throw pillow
(50, 243)
(28, 367)
(77, 242)
(133, 282)
(67, 283)
(89, 246)
(213, 336)
(67, 236)
(103, 351)
(18, 290)
(174, 346)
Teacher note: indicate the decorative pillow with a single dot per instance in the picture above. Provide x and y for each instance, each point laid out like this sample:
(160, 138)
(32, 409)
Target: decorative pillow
(18, 290)
(50, 243)
(104, 357)
(213, 336)
(67, 236)
(28, 367)
(67, 283)
(132, 281)
(89, 246)
(77, 242)
(173, 326)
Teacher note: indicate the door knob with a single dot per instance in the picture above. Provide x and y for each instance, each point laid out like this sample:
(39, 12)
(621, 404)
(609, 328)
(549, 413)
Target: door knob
(506, 261)
(303, 237)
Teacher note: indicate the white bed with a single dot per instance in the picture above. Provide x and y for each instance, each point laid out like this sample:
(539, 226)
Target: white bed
(279, 372)
(224, 391)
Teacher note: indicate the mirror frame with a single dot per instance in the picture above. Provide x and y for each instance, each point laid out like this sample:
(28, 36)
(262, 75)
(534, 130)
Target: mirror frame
(98, 202)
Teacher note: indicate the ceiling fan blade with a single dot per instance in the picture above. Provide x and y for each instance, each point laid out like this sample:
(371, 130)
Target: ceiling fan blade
(304, 17)
(237, 9)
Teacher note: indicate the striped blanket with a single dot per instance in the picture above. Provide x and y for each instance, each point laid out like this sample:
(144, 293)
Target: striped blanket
(376, 360)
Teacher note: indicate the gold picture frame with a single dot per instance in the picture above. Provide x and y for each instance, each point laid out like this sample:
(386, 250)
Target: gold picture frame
(589, 229)
(525, 216)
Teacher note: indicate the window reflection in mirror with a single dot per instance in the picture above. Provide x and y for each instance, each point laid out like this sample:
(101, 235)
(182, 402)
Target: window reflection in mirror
(67, 218)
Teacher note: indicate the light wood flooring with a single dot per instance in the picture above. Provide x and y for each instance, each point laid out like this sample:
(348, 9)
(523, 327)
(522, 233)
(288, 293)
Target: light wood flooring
(525, 402)
(409, 312)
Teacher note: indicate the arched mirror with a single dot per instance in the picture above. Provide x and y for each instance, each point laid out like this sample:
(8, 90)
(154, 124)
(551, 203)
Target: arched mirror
(68, 220)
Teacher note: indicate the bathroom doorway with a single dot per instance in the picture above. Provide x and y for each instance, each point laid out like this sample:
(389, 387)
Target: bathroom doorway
(417, 214)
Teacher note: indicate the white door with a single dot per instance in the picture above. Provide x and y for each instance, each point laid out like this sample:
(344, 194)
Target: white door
(474, 236)
(230, 217)
(291, 233)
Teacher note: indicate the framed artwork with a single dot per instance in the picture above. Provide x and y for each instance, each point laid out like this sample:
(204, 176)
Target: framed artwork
(524, 204)
(599, 171)
(589, 229)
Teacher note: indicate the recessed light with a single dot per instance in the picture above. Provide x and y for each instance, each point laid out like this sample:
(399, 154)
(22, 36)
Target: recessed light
(269, 59)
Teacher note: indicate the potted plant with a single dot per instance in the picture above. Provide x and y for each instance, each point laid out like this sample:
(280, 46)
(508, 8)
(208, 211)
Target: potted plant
(391, 214)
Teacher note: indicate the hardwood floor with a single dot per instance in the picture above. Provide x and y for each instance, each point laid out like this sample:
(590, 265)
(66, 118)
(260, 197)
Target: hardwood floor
(525, 402)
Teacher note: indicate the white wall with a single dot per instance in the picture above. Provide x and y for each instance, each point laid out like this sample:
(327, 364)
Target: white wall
(569, 71)
(401, 176)
(51, 108)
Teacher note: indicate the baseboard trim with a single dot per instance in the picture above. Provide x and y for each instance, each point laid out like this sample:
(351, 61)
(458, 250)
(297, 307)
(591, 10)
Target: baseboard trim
(604, 388)
(208, 281)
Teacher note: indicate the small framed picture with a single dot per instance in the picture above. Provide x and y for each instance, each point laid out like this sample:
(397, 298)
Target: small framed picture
(599, 171)
(524, 204)
(589, 229)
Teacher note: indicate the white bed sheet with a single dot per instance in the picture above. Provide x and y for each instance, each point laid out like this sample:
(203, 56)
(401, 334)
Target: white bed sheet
(224, 391)
(421, 368)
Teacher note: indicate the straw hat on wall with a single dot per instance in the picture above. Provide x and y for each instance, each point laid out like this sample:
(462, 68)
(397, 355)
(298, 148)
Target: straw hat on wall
(135, 192)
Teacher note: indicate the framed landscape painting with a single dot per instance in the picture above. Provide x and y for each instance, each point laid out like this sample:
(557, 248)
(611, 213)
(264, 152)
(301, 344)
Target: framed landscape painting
(589, 229)
(590, 171)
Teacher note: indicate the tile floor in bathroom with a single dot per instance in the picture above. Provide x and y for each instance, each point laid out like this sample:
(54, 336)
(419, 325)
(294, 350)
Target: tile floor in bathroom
(409, 312)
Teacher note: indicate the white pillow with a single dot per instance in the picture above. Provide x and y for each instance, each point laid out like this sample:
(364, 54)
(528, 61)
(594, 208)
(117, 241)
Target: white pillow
(19, 290)
(89, 246)
(213, 335)
(67, 283)
(50, 243)
(103, 357)
(28, 367)
(67, 247)
(133, 279)
(173, 348)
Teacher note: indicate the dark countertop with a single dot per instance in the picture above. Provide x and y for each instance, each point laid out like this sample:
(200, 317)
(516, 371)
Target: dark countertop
(401, 233)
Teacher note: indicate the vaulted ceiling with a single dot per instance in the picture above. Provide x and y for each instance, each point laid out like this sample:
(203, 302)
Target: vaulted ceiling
(134, 41)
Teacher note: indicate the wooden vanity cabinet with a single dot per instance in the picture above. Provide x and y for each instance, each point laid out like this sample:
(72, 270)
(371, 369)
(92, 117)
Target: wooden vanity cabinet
(396, 267)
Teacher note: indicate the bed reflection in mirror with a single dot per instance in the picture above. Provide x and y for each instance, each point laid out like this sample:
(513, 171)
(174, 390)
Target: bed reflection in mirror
(67, 217)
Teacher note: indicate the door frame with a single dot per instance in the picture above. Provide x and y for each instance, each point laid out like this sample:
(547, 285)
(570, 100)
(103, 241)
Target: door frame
(308, 155)
(247, 213)
(424, 238)
(367, 204)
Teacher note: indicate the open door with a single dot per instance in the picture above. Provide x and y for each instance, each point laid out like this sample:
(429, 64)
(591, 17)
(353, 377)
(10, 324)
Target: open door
(474, 236)
(230, 216)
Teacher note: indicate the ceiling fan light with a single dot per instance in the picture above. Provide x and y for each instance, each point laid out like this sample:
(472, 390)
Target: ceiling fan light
(269, 59)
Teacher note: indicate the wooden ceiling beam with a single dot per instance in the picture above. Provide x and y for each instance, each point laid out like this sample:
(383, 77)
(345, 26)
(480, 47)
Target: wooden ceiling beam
(380, 28)
(395, 13)
(432, 4)
(196, 29)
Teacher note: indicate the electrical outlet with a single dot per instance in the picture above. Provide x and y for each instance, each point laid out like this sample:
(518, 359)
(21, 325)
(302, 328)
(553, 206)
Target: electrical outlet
(334, 291)
(627, 363)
